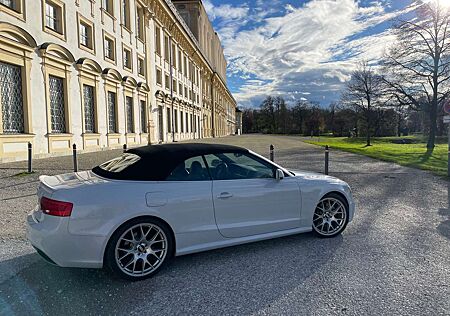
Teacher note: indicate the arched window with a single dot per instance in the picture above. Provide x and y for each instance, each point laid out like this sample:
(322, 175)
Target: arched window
(58, 62)
(89, 75)
(15, 98)
(112, 81)
(129, 87)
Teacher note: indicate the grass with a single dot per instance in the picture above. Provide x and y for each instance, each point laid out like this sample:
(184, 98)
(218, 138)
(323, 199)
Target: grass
(412, 155)
(23, 174)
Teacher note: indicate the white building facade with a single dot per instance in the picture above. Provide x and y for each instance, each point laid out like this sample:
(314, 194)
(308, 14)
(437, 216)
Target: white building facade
(103, 73)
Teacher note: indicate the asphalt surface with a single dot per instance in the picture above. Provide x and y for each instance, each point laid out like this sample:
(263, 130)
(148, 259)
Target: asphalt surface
(393, 259)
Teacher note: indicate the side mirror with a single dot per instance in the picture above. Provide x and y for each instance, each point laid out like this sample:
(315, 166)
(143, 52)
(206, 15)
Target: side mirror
(279, 174)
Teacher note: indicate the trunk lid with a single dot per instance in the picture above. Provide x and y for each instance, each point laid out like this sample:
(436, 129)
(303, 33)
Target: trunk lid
(66, 181)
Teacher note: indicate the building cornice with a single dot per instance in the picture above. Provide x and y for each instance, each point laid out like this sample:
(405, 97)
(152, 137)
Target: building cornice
(182, 26)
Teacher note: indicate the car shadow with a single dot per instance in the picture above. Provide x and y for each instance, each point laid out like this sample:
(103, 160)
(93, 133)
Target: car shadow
(234, 280)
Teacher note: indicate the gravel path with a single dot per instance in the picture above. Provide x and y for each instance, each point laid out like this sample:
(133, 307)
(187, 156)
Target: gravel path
(393, 259)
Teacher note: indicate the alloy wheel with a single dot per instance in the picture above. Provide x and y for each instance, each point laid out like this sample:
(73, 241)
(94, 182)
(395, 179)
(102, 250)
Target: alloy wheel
(329, 217)
(141, 249)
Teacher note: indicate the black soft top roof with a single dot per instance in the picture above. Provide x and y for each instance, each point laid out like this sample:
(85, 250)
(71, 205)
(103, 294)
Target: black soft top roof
(158, 161)
(187, 150)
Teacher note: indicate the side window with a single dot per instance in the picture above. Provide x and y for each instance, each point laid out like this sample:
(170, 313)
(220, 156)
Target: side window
(230, 166)
(192, 169)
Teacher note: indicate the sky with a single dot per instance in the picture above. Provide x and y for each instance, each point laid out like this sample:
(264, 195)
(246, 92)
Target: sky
(299, 49)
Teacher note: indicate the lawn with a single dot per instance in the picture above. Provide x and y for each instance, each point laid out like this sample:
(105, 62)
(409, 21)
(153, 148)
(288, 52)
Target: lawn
(411, 155)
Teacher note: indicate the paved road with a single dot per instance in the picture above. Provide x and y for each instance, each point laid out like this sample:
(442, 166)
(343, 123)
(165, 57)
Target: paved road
(393, 259)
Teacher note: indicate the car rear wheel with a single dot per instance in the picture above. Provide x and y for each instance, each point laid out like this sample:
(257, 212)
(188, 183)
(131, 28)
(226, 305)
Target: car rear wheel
(139, 249)
(330, 216)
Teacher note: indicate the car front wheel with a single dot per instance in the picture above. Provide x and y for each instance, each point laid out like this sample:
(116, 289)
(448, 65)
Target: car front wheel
(139, 248)
(330, 216)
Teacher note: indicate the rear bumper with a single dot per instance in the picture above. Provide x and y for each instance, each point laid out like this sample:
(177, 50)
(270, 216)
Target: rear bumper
(56, 245)
(44, 256)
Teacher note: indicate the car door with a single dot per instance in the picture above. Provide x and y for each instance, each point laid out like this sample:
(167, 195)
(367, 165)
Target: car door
(184, 198)
(248, 200)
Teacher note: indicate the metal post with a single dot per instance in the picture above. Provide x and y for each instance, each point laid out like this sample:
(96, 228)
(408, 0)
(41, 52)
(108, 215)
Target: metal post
(30, 157)
(271, 153)
(75, 160)
(124, 147)
(448, 158)
(447, 122)
(327, 158)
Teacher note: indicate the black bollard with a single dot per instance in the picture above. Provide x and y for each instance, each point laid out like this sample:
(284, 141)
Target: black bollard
(30, 157)
(124, 147)
(75, 160)
(327, 157)
(271, 153)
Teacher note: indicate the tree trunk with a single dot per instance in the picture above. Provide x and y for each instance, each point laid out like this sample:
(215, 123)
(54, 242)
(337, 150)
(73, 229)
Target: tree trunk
(433, 127)
(301, 124)
(368, 122)
(368, 126)
(368, 131)
(433, 109)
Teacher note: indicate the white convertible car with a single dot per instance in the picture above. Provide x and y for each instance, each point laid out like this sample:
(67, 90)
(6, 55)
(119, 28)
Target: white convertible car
(133, 213)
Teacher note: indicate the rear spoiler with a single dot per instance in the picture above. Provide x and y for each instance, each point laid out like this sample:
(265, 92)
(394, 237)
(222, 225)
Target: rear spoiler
(46, 181)
(45, 186)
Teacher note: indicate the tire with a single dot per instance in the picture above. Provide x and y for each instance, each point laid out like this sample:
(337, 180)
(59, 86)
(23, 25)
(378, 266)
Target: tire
(330, 216)
(139, 248)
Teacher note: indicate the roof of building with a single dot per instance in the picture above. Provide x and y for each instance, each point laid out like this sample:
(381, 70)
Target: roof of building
(188, 31)
(158, 161)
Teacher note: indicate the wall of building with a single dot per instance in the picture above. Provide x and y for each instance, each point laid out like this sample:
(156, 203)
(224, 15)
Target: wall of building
(41, 53)
(194, 14)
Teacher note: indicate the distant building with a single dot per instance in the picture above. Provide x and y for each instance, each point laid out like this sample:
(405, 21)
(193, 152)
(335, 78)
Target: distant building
(238, 116)
(104, 73)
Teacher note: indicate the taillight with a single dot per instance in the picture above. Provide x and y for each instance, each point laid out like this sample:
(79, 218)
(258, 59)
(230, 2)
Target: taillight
(56, 208)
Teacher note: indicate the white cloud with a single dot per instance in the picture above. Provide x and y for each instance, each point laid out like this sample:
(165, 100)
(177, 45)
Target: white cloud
(225, 11)
(311, 48)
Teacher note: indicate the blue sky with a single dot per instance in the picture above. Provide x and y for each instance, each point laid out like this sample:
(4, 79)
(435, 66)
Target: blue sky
(301, 50)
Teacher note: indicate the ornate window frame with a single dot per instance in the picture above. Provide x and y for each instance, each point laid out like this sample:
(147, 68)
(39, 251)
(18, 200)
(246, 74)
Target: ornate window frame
(129, 87)
(158, 37)
(128, 49)
(158, 76)
(62, 7)
(112, 83)
(20, 13)
(143, 96)
(125, 16)
(89, 73)
(108, 13)
(140, 58)
(17, 49)
(141, 31)
(107, 36)
(82, 20)
(57, 61)
(110, 4)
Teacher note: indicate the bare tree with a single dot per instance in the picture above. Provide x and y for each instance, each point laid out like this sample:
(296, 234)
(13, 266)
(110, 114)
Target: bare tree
(417, 66)
(364, 92)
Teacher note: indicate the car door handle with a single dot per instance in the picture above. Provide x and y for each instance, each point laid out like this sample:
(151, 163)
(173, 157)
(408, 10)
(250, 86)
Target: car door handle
(224, 195)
